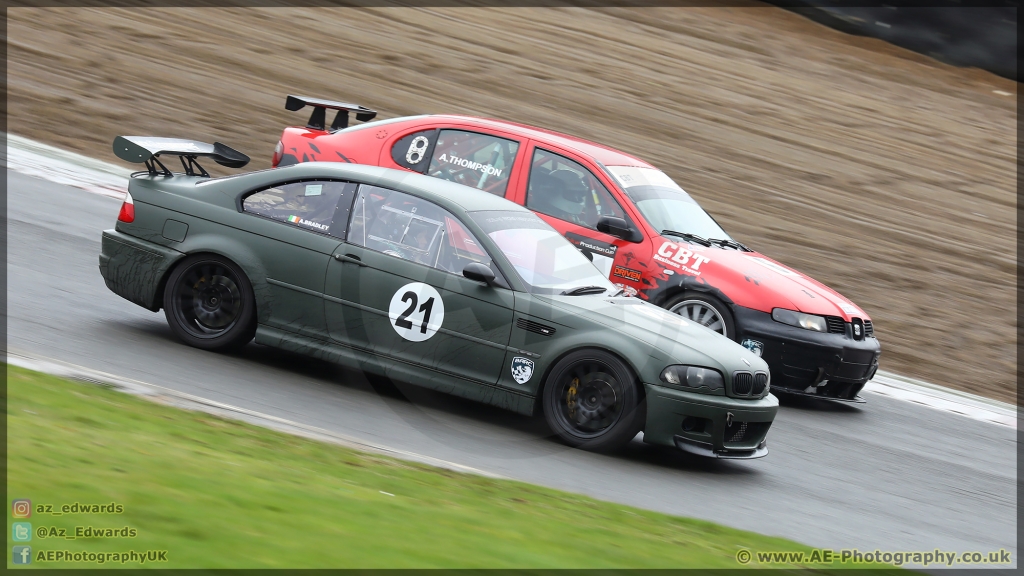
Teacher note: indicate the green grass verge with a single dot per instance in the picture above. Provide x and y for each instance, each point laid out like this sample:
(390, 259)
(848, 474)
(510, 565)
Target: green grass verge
(219, 493)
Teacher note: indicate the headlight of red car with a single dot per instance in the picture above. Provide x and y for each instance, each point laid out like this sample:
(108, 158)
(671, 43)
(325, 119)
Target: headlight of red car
(799, 319)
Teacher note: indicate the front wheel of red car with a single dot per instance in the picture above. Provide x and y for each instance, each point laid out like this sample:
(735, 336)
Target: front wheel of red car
(592, 400)
(209, 303)
(705, 310)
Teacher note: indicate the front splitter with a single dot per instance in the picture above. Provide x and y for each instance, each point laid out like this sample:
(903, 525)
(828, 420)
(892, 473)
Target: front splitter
(705, 450)
(790, 391)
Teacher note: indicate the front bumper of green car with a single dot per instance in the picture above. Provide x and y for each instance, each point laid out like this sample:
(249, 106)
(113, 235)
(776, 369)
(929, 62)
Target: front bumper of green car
(708, 425)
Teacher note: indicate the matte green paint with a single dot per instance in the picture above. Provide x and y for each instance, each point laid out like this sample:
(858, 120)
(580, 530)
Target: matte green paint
(311, 298)
(175, 230)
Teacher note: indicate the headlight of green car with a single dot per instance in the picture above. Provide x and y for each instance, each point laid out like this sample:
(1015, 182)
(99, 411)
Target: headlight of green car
(694, 379)
(800, 320)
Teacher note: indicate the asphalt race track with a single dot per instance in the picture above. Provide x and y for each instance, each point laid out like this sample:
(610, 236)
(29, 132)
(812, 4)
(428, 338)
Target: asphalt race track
(886, 475)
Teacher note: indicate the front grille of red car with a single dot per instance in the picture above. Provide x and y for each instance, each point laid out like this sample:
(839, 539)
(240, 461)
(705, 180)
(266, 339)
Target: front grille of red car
(836, 325)
(869, 330)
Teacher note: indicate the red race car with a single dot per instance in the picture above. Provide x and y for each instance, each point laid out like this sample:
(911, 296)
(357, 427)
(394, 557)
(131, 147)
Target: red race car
(637, 225)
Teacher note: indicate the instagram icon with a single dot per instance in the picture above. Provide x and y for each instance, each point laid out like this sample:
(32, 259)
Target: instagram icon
(21, 508)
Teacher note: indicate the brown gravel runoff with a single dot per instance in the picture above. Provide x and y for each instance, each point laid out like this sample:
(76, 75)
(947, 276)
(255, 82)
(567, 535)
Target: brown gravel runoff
(880, 172)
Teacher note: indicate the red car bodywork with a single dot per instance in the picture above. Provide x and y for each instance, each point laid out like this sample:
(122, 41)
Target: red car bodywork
(658, 267)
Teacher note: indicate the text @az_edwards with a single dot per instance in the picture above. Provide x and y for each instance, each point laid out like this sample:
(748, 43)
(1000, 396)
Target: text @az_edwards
(826, 556)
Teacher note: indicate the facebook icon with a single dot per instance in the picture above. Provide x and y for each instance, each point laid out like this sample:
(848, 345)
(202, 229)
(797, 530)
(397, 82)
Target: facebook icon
(22, 555)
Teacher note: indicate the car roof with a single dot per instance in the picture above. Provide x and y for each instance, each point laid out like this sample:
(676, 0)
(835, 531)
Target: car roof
(599, 152)
(450, 195)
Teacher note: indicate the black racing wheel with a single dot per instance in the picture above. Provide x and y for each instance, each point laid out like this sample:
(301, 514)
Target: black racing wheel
(592, 400)
(209, 303)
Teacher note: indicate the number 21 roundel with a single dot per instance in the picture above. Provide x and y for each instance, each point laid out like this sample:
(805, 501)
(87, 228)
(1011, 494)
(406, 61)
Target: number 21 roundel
(416, 311)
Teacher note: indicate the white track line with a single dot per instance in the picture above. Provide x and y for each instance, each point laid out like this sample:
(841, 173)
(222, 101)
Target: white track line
(99, 177)
(198, 403)
(63, 167)
(942, 398)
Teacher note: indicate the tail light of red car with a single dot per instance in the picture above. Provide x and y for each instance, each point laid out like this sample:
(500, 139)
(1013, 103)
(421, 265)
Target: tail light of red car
(278, 152)
(127, 213)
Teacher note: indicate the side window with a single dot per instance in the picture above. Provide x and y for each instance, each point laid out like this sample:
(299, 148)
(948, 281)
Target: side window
(321, 206)
(564, 189)
(476, 160)
(413, 229)
(413, 150)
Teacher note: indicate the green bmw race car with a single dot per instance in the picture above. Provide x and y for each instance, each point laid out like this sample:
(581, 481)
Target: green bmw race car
(418, 280)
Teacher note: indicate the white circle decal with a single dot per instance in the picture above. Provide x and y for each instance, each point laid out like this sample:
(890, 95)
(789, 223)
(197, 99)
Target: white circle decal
(416, 311)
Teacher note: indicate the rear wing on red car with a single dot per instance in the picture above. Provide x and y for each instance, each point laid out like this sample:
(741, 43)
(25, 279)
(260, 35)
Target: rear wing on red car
(318, 119)
(145, 149)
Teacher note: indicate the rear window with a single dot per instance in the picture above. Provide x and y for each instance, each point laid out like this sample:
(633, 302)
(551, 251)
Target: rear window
(310, 205)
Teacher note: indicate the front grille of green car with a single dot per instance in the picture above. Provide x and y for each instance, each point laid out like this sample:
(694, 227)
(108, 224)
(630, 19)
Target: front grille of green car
(747, 384)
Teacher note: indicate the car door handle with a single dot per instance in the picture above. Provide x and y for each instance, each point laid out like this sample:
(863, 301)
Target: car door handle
(349, 258)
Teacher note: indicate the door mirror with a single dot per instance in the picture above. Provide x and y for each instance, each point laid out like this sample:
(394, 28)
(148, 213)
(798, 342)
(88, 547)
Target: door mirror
(479, 273)
(619, 228)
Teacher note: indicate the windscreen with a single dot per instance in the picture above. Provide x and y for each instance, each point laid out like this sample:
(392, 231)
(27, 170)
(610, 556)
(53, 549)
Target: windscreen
(664, 204)
(542, 258)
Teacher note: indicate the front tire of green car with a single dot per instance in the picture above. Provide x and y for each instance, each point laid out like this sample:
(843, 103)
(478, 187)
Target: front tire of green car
(593, 401)
(209, 303)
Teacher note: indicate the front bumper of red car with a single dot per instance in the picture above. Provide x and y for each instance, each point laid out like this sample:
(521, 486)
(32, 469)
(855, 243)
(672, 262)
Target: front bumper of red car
(822, 364)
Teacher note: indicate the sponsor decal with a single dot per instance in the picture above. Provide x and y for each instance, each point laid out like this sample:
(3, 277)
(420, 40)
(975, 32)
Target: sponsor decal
(602, 254)
(773, 266)
(627, 291)
(586, 244)
(629, 176)
(680, 258)
(484, 168)
(522, 369)
(627, 273)
(296, 220)
(416, 311)
(752, 345)
(752, 276)
(848, 308)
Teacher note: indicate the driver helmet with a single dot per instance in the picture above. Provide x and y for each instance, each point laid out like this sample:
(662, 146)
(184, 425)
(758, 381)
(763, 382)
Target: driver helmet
(570, 196)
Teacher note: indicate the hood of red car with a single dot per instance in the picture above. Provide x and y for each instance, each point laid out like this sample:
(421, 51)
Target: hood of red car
(753, 280)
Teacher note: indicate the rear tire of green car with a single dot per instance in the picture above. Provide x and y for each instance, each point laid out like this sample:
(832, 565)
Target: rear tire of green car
(209, 303)
(592, 400)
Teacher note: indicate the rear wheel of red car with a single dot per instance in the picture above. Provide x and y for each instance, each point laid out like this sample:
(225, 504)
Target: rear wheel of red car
(705, 310)
(593, 401)
(209, 303)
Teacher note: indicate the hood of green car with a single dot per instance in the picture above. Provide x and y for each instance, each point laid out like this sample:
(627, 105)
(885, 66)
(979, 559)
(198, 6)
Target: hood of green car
(682, 340)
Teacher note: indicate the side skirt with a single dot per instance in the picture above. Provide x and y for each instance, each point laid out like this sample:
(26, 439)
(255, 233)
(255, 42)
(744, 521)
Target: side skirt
(367, 362)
